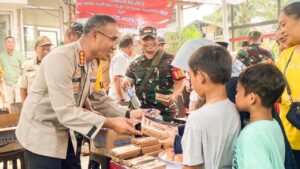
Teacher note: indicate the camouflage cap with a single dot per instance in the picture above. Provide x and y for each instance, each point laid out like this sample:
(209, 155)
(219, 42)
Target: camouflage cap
(148, 31)
(76, 27)
(255, 35)
(42, 41)
(161, 40)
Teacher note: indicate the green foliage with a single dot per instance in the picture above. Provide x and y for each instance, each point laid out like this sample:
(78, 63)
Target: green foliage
(249, 12)
(176, 39)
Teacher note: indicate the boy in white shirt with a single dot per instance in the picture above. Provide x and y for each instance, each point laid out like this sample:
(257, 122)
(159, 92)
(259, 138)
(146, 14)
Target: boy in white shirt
(210, 131)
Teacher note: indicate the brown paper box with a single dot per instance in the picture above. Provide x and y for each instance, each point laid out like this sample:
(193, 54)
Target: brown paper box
(145, 141)
(164, 99)
(138, 161)
(157, 128)
(154, 153)
(106, 140)
(150, 149)
(152, 165)
(126, 152)
(115, 159)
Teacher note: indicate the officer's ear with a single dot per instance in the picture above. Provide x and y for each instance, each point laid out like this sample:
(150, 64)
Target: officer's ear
(93, 34)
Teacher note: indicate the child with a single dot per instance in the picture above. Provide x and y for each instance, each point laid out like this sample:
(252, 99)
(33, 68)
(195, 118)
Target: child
(210, 131)
(261, 143)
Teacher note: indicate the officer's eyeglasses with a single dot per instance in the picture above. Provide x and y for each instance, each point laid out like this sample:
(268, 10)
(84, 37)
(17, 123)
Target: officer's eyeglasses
(114, 39)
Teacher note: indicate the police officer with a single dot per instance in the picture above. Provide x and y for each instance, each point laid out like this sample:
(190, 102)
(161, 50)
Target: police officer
(255, 53)
(99, 100)
(42, 47)
(53, 109)
(164, 82)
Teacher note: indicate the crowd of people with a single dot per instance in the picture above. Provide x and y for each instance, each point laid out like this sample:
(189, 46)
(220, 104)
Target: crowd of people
(244, 110)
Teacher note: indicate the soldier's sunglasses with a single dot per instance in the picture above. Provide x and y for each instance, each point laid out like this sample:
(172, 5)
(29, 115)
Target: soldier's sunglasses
(114, 39)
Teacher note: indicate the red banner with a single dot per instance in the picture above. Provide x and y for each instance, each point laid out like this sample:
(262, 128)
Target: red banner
(128, 13)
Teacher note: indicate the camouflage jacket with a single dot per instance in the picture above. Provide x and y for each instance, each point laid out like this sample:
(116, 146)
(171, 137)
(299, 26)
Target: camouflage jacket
(160, 81)
(255, 54)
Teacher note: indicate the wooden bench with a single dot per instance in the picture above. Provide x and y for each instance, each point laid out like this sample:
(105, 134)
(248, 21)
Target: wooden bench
(13, 157)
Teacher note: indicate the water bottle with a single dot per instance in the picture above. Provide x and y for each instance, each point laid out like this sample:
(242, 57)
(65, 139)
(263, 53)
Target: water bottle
(133, 98)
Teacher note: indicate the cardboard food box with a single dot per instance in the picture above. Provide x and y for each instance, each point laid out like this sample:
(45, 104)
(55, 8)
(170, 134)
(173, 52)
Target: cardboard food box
(115, 159)
(126, 152)
(150, 149)
(154, 153)
(152, 165)
(106, 140)
(145, 141)
(8, 140)
(138, 161)
(157, 128)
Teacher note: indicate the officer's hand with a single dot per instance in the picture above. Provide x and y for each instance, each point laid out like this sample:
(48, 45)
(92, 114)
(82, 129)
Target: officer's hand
(137, 114)
(122, 126)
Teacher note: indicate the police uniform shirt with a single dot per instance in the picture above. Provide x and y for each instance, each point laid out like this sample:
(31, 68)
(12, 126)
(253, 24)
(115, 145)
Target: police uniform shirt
(53, 105)
(29, 71)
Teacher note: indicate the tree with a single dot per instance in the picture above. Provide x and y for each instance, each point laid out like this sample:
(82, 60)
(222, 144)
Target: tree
(249, 12)
(176, 39)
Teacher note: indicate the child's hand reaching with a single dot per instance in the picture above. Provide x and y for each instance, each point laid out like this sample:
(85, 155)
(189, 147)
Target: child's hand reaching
(169, 142)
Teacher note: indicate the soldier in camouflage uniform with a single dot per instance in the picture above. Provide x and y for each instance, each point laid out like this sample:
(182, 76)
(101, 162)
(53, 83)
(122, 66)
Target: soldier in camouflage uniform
(165, 79)
(255, 54)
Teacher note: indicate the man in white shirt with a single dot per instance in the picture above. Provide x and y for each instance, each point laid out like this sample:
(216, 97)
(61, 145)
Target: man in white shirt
(118, 69)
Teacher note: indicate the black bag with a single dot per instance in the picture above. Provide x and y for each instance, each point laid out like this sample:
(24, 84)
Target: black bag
(293, 115)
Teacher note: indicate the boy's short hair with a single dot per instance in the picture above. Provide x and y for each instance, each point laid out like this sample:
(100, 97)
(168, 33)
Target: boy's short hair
(215, 61)
(265, 80)
(126, 41)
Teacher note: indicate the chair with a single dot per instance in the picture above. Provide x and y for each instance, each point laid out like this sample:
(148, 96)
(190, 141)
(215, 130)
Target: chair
(4, 111)
(13, 156)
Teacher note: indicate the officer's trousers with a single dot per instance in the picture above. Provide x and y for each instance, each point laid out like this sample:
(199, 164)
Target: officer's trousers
(35, 161)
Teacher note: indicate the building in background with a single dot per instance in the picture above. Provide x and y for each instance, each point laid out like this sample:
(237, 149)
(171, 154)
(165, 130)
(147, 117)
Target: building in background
(27, 19)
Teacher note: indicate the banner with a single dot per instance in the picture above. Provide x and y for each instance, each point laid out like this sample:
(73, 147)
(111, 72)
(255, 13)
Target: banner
(128, 13)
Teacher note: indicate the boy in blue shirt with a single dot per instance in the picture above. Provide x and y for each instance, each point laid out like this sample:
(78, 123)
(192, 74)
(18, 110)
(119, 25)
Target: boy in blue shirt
(260, 144)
